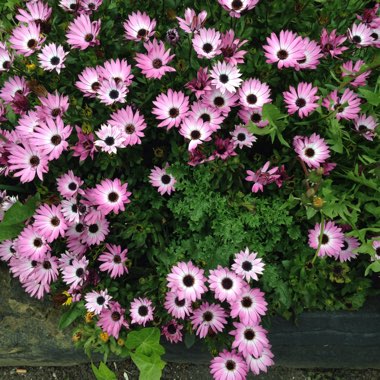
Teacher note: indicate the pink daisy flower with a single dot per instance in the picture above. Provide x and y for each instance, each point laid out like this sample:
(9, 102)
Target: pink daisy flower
(85, 146)
(31, 244)
(250, 339)
(172, 331)
(22, 267)
(262, 362)
(69, 5)
(46, 271)
(82, 32)
(112, 320)
(178, 308)
(201, 84)
(96, 302)
(242, 137)
(360, 35)
(249, 306)
(109, 195)
(254, 94)
(13, 86)
(141, 311)
(223, 102)
(161, 179)
(132, 123)
(53, 105)
(7, 250)
(248, 265)
(139, 27)
(118, 70)
(192, 22)
(225, 148)
(76, 273)
(312, 53)
(110, 138)
(228, 366)
(26, 39)
(111, 92)
(312, 150)
(27, 162)
(154, 63)
(262, 177)
(301, 100)
(6, 58)
(349, 69)
(35, 289)
(347, 105)
(208, 317)
(49, 222)
(230, 48)
(330, 43)
(332, 240)
(366, 126)
(69, 185)
(89, 82)
(253, 114)
(196, 131)
(286, 51)
(187, 281)
(225, 284)
(50, 137)
(52, 57)
(207, 43)
(114, 261)
(95, 232)
(225, 77)
(376, 247)
(210, 115)
(37, 11)
(70, 212)
(171, 108)
(347, 251)
(237, 7)
(89, 6)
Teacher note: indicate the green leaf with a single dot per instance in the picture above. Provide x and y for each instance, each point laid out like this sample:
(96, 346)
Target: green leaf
(69, 317)
(146, 341)
(10, 231)
(374, 267)
(258, 131)
(103, 372)
(189, 340)
(19, 212)
(371, 97)
(150, 366)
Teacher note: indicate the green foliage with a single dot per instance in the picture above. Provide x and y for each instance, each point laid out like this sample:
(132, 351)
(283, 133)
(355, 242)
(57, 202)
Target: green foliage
(103, 372)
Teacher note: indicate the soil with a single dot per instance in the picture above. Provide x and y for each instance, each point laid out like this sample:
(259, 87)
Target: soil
(175, 371)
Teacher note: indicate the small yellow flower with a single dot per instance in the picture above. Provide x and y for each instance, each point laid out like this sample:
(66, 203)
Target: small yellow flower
(30, 66)
(120, 342)
(89, 317)
(86, 127)
(76, 337)
(104, 336)
(318, 202)
(69, 298)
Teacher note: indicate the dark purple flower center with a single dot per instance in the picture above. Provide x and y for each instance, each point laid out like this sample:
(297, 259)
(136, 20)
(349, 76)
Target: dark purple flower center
(157, 63)
(205, 117)
(115, 316)
(91, 6)
(325, 239)
(328, 47)
(94, 228)
(73, 6)
(55, 61)
(129, 129)
(378, 251)
(109, 140)
(33, 263)
(79, 228)
(219, 101)
(114, 94)
(251, 99)
(188, 280)
(37, 242)
(195, 135)
(223, 78)
(301, 61)
(227, 283)
(375, 36)
(82, 209)
(173, 112)
(100, 300)
(165, 179)
(255, 117)
(55, 112)
(246, 265)
(249, 334)
(113, 196)
(207, 316)
(12, 249)
(117, 259)
(246, 302)
(282, 54)
(230, 365)
(357, 39)
(143, 311)
(55, 221)
(32, 44)
(56, 140)
(179, 303)
(207, 47)
(300, 102)
(79, 272)
(72, 186)
(88, 37)
(241, 136)
(6, 65)
(74, 208)
(142, 33)
(345, 245)
(95, 86)
(362, 128)
(236, 5)
(34, 161)
(172, 329)
(46, 264)
(309, 152)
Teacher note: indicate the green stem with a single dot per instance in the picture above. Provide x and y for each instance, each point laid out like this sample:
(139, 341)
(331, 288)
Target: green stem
(322, 228)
